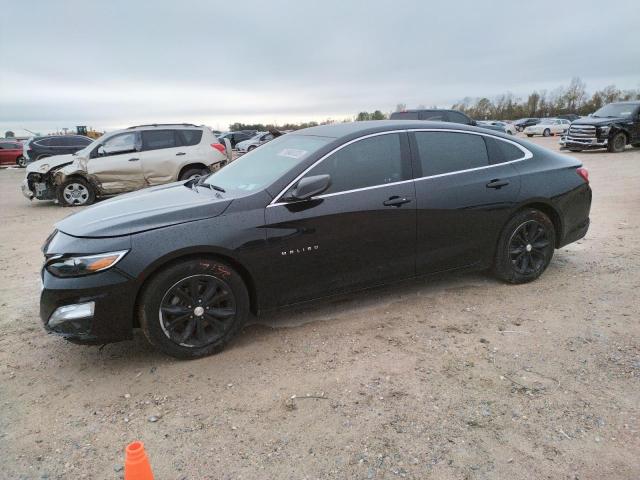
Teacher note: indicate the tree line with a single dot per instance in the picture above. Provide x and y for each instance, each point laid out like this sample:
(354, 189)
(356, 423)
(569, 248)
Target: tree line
(562, 100)
(539, 103)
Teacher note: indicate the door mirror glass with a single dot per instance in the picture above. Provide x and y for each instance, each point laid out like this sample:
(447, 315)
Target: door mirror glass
(101, 151)
(310, 186)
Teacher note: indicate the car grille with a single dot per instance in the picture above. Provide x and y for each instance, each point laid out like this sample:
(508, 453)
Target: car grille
(582, 131)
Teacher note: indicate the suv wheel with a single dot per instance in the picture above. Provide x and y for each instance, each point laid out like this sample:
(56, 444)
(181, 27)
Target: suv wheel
(193, 308)
(546, 132)
(76, 192)
(21, 161)
(525, 247)
(190, 173)
(617, 143)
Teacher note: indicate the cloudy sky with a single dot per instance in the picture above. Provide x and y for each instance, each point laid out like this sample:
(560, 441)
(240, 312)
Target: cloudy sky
(116, 63)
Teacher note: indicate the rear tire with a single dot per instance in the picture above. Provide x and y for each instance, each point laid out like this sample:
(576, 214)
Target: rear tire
(208, 293)
(190, 173)
(525, 247)
(21, 161)
(252, 147)
(546, 132)
(617, 143)
(75, 192)
(529, 135)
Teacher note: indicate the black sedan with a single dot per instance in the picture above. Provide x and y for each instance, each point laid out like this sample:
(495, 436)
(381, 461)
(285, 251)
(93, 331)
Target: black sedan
(320, 211)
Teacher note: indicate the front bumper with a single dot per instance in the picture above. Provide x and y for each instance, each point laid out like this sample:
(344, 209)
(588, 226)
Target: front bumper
(583, 143)
(112, 311)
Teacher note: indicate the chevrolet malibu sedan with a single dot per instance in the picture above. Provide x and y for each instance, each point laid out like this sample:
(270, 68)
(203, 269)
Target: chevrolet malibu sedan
(317, 212)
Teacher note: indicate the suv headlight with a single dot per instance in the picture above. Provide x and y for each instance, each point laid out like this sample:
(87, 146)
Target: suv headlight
(604, 130)
(78, 266)
(44, 168)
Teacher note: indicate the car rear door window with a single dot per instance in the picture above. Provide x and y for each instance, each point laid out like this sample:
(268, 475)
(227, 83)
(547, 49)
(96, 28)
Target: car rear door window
(188, 138)
(56, 142)
(501, 151)
(365, 163)
(158, 139)
(447, 152)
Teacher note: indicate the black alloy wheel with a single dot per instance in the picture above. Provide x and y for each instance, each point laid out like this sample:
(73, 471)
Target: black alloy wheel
(197, 311)
(529, 248)
(525, 247)
(192, 308)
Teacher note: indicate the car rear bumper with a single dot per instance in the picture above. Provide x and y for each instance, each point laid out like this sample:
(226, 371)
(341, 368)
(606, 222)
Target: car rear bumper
(110, 319)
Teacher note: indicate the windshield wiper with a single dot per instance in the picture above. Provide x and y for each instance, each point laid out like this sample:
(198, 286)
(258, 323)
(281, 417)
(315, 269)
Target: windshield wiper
(216, 188)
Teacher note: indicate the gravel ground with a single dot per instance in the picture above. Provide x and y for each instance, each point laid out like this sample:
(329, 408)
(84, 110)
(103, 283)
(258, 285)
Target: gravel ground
(451, 377)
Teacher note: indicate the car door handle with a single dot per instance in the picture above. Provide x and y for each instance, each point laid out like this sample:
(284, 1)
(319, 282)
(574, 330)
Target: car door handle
(396, 201)
(134, 159)
(180, 153)
(497, 183)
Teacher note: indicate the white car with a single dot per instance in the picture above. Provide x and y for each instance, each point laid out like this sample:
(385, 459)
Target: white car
(548, 126)
(257, 140)
(124, 161)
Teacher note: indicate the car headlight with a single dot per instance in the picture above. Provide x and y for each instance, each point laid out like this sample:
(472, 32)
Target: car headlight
(78, 266)
(44, 168)
(604, 130)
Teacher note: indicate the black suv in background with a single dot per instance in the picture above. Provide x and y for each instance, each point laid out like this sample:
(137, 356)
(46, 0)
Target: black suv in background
(38, 148)
(613, 127)
(523, 123)
(453, 116)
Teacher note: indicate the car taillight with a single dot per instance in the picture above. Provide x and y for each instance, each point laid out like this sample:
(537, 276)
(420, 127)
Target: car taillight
(584, 173)
(219, 147)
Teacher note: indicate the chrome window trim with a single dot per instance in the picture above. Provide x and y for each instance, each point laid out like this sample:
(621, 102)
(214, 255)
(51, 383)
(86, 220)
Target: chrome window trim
(527, 155)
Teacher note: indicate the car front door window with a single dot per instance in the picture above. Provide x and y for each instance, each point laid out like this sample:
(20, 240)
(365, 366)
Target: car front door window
(366, 163)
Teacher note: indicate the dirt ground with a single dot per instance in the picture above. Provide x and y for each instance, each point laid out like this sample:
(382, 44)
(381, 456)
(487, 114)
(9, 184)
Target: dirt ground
(450, 377)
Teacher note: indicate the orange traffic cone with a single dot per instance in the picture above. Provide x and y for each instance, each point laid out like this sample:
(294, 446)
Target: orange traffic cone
(136, 463)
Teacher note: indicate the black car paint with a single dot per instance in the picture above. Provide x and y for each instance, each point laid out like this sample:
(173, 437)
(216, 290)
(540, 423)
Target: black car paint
(289, 252)
(39, 147)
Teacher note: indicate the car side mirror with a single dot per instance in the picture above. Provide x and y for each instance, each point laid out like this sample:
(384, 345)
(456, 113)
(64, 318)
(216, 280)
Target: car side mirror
(309, 187)
(101, 151)
(474, 123)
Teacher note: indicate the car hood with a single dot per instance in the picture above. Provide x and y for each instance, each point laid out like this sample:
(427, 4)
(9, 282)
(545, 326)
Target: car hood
(144, 210)
(598, 121)
(53, 162)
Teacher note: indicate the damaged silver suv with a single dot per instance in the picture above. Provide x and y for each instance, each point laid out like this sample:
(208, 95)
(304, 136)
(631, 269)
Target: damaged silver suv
(124, 161)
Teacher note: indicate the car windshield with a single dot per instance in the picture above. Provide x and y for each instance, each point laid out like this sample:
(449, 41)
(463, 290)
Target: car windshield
(87, 150)
(615, 110)
(263, 166)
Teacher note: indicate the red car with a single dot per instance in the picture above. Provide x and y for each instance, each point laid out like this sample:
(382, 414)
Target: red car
(11, 154)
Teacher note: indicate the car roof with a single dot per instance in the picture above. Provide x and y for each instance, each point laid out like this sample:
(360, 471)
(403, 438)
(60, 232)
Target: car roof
(337, 130)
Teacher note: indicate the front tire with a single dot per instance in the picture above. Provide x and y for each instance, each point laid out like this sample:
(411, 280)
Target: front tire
(617, 143)
(525, 247)
(76, 192)
(192, 308)
(193, 173)
(21, 161)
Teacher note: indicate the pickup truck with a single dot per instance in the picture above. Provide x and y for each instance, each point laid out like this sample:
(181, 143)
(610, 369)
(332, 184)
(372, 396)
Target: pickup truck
(613, 127)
